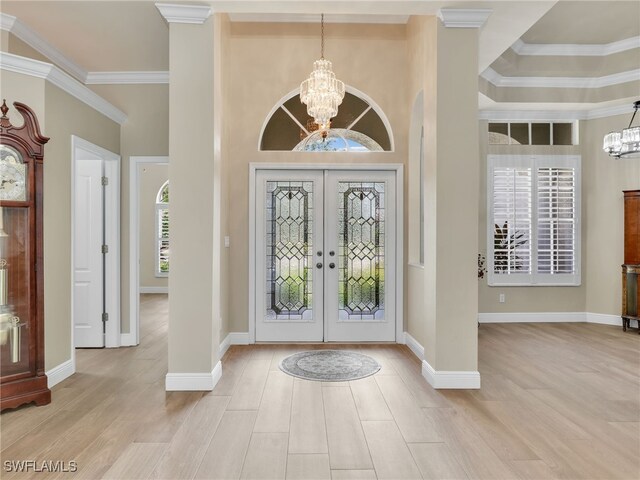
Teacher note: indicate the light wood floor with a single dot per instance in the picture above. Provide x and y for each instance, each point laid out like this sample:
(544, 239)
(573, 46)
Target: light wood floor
(557, 401)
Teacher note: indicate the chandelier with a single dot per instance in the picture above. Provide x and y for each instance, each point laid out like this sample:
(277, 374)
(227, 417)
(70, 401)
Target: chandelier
(625, 143)
(322, 92)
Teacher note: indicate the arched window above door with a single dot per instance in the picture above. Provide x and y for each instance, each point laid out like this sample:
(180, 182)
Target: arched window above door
(360, 125)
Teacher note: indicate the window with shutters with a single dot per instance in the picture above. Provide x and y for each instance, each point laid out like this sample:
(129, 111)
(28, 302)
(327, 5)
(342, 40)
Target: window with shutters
(533, 234)
(162, 231)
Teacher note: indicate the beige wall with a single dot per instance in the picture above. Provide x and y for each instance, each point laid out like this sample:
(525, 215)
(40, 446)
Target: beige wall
(604, 178)
(64, 116)
(152, 178)
(60, 116)
(523, 299)
(145, 133)
(414, 292)
(258, 81)
(12, 44)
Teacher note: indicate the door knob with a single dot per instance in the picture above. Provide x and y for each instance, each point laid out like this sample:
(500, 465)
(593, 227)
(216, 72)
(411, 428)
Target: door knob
(332, 265)
(332, 253)
(319, 265)
(319, 253)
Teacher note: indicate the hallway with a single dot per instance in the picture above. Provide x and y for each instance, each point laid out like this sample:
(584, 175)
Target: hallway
(537, 415)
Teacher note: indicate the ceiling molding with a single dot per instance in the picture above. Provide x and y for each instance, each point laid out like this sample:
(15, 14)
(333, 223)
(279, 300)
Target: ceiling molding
(62, 80)
(560, 82)
(174, 13)
(27, 35)
(553, 115)
(464, 17)
(127, 78)
(313, 18)
(575, 50)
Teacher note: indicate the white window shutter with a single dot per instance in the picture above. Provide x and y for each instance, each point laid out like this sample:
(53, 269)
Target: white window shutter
(533, 231)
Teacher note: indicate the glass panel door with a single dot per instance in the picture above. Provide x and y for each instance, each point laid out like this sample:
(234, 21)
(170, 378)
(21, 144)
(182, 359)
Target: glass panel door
(289, 252)
(325, 250)
(360, 241)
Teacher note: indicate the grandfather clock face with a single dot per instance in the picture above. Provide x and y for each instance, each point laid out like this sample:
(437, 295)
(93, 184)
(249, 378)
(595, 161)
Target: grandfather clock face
(13, 175)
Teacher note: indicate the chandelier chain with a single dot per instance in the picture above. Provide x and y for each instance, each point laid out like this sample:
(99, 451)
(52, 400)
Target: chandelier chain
(636, 106)
(322, 35)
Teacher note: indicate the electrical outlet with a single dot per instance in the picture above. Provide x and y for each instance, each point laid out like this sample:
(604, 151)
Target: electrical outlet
(502, 298)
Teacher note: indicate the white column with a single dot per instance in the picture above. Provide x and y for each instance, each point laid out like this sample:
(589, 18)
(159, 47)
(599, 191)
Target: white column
(452, 196)
(193, 280)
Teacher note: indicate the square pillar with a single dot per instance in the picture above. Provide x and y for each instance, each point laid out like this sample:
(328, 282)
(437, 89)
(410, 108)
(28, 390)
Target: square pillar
(194, 201)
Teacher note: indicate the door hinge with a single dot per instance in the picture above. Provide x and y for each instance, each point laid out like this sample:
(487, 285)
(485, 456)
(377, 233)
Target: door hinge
(105, 317)
(105, 248)
(105, 181)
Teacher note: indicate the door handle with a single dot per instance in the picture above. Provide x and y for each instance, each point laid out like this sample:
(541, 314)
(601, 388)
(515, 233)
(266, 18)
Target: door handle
(319, 265)
(332, 265)
(319, 253)
(332, 253)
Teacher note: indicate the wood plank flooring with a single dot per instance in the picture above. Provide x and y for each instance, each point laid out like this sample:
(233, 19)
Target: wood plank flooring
(557, 401)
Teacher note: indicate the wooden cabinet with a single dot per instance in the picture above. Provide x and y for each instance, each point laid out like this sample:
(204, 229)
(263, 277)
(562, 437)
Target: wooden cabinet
(22, 377)
(631, 266)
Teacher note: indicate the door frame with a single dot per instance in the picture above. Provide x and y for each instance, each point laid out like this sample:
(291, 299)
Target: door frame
(398, 168)
(111, 163)
(133, 337)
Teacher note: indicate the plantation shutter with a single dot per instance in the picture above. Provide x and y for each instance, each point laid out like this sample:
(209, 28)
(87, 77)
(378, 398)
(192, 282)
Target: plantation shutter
(163, 240)
(512, 220)
(533, 234)
(557, 219)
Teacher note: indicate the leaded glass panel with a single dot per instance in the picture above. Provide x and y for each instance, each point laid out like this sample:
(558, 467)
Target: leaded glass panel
(289, 239)
(361, 250)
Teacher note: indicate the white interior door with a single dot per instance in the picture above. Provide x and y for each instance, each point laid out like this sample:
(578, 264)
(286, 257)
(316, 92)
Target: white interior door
(360, 235)
(88, 259)
(289, 280)
(325, 250)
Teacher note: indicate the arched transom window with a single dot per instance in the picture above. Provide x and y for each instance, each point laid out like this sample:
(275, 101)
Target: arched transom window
(162, 231)
(360, 126)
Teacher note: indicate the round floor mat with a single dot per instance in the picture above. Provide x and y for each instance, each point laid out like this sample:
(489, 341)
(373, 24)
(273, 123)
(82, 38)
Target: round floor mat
(329, 365)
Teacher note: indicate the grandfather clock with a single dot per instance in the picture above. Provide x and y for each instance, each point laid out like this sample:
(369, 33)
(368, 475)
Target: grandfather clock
(631, 267)
(22, 377)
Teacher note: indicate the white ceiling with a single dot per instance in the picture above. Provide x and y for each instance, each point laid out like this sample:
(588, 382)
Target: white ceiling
(131, 36)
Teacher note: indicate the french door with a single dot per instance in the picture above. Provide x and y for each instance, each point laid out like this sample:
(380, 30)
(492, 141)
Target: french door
(325, 255)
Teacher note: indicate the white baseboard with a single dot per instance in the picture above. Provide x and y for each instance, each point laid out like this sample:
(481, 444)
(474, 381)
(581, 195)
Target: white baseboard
(128, 340)
(192, 382)
(60, 373)
(154, 290)
(442, 379)
(532, 317)
(553, 317)
(224, 346)
(233, 338)
(414, 346)
(450, 379)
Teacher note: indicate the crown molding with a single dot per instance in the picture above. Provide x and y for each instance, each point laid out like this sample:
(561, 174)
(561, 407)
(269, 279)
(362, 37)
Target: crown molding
(62, 80)
(553, 115)
(16, 27)
(178, 13)
(575, 50)
(313, 18)
(560, 82)
(464, 17)
(127, 78)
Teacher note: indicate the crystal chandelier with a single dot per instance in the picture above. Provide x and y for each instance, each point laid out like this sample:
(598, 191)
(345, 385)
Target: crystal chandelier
(625, 143)
(322, 92)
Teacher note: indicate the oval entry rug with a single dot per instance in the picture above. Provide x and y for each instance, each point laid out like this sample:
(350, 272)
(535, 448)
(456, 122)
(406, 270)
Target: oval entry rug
(329, 365)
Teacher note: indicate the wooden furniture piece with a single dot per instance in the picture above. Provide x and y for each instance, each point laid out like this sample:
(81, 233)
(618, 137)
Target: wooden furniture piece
(22, 377)
(631, 267)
